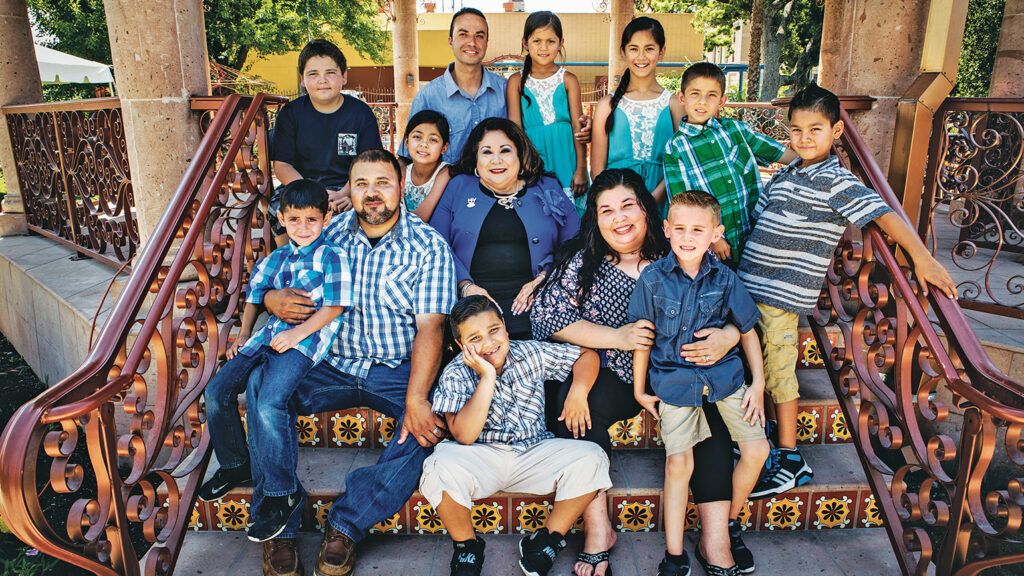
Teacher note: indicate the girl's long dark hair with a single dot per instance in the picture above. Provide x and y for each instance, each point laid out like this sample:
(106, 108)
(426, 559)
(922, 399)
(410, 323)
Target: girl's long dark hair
(531, 167)
(534, 22)
(592, 245)
(641, 24)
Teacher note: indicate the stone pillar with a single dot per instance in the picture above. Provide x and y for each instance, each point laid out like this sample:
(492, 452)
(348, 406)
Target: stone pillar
(1008, 70)
(19, 84)
(874, 48)
(406, 60)
(159, 54)
(621, 13)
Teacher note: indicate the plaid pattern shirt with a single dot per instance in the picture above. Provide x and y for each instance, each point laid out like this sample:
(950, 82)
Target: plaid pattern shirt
(410, 271)
(516, 415)
(721, 158)
(319, 268)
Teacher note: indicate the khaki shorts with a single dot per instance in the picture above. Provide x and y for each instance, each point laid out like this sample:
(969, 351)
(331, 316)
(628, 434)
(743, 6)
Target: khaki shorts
(779, 344)
(569, 468)
(683, 427)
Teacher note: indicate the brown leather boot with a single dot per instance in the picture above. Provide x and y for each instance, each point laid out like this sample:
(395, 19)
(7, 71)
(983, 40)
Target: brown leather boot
(280, 558)
(337, 555)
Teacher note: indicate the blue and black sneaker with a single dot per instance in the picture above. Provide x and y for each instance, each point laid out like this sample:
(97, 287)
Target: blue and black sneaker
(537, 552)
(468, 558)
(786, 469)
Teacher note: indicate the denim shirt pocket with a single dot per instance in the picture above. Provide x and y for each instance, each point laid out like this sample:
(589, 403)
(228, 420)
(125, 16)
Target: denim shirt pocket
(711, 305)
(669, 315)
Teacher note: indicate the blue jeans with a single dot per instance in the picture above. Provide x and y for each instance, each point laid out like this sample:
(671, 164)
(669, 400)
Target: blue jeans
(222, 417)
(373, 493)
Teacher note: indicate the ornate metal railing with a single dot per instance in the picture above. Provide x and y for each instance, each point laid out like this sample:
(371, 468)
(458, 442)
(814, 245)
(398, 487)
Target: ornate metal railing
(386, 113)
(973, 205)
(762, 116)
(938, 428)
(119, 447)
(72, 163)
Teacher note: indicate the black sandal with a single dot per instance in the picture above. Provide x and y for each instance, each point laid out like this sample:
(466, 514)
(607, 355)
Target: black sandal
(595, 559)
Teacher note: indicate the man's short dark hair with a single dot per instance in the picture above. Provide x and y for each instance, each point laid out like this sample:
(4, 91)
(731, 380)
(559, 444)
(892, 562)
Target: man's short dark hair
(703, 70)
(816, 99)
(321, 47)
(463, 12)
(374, 156)
(467, 308)
(698, 199)
(304, 193)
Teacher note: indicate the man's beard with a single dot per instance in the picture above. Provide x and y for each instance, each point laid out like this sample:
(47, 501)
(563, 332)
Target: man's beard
(378, 217)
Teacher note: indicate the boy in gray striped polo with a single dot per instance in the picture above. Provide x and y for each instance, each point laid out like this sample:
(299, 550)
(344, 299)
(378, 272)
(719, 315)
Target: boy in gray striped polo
(799, 221)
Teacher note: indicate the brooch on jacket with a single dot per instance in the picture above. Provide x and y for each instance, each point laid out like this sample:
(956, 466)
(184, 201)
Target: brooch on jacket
(471, 202)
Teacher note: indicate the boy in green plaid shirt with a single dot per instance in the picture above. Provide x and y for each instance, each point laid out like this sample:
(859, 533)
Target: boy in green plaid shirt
(719, 156)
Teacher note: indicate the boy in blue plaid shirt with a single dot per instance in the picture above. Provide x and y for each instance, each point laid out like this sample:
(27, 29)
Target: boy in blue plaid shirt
(283, 352)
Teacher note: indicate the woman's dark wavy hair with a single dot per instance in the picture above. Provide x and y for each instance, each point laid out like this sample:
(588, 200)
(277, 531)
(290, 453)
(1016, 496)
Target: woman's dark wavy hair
(641, 24)
(534, 22)
(531, 167)
(592, 245)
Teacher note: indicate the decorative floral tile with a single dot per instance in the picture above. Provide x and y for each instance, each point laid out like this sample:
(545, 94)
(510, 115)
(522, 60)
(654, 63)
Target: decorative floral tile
(627, 433)
(808, 425)
(319, 510)
(836, 430)
(396, 524)
(692, 516)
(530, 513)
(230, 513)
(834, 510)
(787, 512)
(654, 433)
(635, 513)
(809, 353)
(577, 526)
(490, 516)
(869, 515)
(199, 518)
(424, 519)
(310, 430)
(746, 517)
(349, 428)
(383, 429)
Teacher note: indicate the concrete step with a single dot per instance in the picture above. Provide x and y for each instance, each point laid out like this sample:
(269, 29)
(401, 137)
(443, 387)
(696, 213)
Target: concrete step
(832, 553)
(820, 419)
(838, 497)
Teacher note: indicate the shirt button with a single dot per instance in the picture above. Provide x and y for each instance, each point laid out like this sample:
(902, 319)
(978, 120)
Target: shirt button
(684, 328)
(536, 240)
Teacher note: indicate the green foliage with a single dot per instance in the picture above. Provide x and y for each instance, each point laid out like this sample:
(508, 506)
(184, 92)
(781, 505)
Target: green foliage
(23, 565)
(981, 37)
(671, 80)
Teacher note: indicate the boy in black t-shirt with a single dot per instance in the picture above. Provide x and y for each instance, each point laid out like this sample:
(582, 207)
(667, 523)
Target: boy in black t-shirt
(316, 136)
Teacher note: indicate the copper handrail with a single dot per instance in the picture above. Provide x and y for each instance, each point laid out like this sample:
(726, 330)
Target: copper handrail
(230, 163)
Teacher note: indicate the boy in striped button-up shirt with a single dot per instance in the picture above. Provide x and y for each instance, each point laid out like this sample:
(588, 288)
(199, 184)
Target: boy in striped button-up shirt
(283, 352)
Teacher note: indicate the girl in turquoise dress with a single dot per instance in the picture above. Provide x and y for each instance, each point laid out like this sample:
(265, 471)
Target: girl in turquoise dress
(547, 105)
(633, 124)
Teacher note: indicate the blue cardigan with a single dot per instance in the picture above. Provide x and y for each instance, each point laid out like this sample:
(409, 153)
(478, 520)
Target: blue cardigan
(547, 213)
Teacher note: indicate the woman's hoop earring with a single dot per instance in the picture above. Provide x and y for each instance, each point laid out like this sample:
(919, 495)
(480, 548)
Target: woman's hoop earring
(476, 172)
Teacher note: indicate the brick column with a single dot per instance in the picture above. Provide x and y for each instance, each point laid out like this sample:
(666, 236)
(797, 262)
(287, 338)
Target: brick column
(159, 53)
(1008, 71)
(621, 13)
(406, 60)
(19, 84)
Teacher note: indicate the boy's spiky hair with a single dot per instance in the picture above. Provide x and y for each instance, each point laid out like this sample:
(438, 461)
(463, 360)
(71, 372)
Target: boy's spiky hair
(699, 199)
(304, 193)
(703, 70)
(467, 308)
(817, 99)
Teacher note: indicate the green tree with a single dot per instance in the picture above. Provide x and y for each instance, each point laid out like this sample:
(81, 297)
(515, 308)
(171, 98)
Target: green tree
(981, 37)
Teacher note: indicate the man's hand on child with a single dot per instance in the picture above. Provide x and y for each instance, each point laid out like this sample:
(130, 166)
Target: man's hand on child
(576, 413)
(649, 402)
(721, 249)
(286, 340)
(483, 368)
(637, 335)
(753, 405)
(929, 271)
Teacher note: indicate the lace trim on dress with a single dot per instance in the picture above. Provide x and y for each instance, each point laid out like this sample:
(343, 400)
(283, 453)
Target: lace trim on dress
(544, 94)
(643, 117)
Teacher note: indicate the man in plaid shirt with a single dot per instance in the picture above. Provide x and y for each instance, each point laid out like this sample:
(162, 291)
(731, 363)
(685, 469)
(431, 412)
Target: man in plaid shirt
(386, 357)
(719, 156)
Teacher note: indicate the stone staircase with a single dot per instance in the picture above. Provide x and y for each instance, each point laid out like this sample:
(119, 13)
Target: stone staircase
(816, 517)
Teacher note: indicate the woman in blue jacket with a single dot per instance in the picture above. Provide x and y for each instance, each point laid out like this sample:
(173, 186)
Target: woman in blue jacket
(504, 219)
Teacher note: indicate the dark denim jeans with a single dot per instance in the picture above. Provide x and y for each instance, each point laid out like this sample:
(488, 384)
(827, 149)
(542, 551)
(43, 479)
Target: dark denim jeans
(372, 493)
(226, 433)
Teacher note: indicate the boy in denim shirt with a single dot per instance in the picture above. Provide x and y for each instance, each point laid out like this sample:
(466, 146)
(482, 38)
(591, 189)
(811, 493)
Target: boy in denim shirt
(684, 292)
(282, 352)
(719, 155)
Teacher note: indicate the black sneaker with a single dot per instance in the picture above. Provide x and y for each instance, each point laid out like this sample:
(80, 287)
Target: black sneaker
(537, 552)
(670, 568)
(711, 569)
(225, 480)
(468, 558)
(273, 515)
(787, 471)
(742, 555)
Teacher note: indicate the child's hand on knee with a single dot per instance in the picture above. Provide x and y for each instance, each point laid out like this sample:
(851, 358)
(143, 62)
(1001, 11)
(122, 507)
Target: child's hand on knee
(753, 405)
(233, 350)
(649, 402)
(286, 340)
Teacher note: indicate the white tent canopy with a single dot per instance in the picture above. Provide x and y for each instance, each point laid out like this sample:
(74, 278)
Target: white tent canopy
(58, 67)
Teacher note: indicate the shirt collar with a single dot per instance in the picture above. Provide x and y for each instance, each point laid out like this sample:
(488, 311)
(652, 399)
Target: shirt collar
(514, 355)
(693, 130)
(304, 250)
(831, 162)
(450, 87)
(707, 265)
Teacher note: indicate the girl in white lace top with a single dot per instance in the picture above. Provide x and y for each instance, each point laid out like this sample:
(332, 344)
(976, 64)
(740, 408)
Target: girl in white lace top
(544, 99)
(426, 139)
